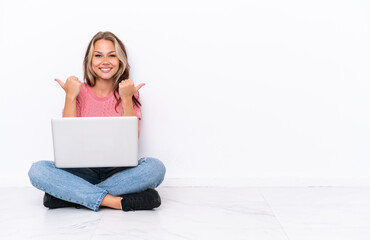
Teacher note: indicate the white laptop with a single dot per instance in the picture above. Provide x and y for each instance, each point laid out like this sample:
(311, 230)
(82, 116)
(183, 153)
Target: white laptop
(95, 141)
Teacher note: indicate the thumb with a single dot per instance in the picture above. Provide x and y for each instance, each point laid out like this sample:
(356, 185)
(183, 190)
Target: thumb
(139, 86)
(61, 83)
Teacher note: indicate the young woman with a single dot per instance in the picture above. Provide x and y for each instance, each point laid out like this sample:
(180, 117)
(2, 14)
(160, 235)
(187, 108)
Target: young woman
(107, 91)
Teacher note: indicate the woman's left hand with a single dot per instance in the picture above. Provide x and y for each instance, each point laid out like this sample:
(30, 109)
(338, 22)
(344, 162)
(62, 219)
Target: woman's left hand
(127, 89)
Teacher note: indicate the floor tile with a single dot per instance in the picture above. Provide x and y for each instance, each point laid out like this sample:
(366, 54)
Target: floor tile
(321, 213)
(186, 213)
(197, 213)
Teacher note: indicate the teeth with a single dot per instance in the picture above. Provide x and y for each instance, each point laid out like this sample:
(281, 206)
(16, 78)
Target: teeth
(105, 69)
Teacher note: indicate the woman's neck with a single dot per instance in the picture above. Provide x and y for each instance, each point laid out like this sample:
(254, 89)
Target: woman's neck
(102, 87)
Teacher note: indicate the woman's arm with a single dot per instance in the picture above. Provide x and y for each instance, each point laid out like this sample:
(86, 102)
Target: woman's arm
(70, 107)
(128, 110)
(127, 107)
(72, 87)
(126, 90)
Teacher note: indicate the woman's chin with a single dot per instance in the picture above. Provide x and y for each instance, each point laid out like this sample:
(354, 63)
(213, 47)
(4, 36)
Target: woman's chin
(100, 78)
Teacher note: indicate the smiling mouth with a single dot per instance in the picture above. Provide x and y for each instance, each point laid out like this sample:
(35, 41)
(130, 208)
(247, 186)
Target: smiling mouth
(105, 70)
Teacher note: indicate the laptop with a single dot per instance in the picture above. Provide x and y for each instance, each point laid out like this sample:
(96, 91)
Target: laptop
(95, 142)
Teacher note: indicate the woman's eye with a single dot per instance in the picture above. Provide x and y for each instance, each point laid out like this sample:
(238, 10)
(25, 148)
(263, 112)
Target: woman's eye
(112, 55)
(97, 55)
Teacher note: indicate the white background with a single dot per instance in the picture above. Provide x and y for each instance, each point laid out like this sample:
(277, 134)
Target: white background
(238, 92)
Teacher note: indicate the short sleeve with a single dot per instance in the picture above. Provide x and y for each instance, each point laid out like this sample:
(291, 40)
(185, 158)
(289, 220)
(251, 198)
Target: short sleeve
(137, 109)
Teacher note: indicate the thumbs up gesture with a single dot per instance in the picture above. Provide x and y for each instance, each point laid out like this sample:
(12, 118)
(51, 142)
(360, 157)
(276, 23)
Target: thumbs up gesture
(72, 86)
(127, 88)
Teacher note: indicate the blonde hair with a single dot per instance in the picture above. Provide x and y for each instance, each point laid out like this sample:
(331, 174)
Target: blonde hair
(123, 72)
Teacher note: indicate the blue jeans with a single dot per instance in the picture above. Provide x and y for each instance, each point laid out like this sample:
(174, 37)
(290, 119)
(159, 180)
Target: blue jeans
(88, 186)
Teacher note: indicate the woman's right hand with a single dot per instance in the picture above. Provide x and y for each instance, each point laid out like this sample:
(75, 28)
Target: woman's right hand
(72, 86)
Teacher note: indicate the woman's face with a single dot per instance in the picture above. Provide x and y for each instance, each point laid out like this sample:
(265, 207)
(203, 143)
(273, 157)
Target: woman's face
(104, 61)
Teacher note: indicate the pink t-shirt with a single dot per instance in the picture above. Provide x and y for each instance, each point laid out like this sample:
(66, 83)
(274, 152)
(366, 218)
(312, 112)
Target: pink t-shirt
(90, 105)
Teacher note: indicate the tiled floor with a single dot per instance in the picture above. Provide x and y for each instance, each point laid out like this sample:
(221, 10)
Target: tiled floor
(198, 213)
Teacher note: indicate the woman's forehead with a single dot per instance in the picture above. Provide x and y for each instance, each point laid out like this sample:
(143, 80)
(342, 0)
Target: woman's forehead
(104, 45)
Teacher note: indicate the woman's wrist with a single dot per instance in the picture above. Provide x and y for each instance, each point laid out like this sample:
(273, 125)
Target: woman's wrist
(70, 98)
(126, 100)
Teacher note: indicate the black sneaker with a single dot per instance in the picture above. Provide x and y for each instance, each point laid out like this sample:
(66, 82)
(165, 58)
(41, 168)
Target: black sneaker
(53, 202)
(146, 200)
